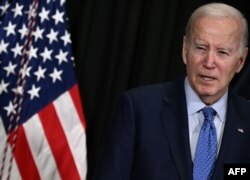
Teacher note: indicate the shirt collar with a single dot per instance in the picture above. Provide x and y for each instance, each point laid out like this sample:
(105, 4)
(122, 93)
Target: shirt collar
(195, 104)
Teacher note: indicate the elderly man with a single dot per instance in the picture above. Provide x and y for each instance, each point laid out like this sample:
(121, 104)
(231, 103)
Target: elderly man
(188, 128)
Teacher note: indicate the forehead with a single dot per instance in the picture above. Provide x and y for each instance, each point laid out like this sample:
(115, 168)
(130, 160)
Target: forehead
(216, 29)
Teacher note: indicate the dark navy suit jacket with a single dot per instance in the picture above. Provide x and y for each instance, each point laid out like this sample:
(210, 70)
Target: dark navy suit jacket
(149, 136)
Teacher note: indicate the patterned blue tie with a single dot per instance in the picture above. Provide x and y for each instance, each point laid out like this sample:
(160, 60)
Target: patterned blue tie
(206, 150)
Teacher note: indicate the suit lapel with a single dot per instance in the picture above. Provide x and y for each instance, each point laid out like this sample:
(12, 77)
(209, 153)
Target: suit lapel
(232, 138)
(175, 120)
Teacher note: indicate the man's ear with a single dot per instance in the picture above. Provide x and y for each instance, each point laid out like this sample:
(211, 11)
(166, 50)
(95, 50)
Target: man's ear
(242, 60)
(184, 50)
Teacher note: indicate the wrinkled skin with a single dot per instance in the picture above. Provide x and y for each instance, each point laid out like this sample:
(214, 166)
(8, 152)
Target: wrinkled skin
(213, 54)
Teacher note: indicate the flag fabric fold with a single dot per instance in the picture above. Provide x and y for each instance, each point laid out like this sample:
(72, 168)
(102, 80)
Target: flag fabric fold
(42, 124)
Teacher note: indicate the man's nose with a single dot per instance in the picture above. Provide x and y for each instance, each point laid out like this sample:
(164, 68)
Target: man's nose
(209, 60)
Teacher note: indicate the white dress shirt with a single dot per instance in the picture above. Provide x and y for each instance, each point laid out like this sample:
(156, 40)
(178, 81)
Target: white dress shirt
(196, 118)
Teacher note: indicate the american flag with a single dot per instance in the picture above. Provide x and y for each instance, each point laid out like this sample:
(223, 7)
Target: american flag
(42, 124)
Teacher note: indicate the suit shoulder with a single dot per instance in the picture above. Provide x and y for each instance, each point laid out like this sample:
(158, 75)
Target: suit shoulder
(242, 105)
(242, 101)
(170, 90)
(150, 90)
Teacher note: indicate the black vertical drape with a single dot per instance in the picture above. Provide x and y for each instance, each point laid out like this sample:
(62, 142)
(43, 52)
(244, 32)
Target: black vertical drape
(121, 44)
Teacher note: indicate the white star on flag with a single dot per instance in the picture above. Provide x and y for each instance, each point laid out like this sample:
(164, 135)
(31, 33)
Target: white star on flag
(32, 52)
(62, 56)
(52, 36)
(34, 92)
(66, 38)
(25, 71)
(23, 31)
(44, 15)
(10, 69)
(10, 108)
(17, 50)
(46, 54)
(56, 75)
(5, 7)
(3, 87)
(40, 73)
(10, 29)
(3, 46)
(18, 10)
(62, 2)
(38, 34)
(18, 90)
(58, 17)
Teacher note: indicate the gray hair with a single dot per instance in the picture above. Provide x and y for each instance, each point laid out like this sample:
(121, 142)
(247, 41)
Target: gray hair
(219, 10)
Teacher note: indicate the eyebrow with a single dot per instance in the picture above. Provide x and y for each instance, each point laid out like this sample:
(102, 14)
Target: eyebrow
(202, 43)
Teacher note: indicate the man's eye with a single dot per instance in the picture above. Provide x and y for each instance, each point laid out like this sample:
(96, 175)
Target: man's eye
(200, 47)
(223, 53)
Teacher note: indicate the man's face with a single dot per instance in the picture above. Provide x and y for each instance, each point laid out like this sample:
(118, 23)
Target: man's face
(212, 55)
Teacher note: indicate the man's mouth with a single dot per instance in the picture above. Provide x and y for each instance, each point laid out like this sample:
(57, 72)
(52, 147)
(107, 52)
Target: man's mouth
(207, 78)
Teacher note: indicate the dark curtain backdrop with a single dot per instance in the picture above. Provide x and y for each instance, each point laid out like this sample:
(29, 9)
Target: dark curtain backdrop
(122, 44)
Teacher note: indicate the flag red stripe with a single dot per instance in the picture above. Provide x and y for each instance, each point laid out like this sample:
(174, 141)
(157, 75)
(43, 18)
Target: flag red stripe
(24, 158)
(58, 143)
(74, 93)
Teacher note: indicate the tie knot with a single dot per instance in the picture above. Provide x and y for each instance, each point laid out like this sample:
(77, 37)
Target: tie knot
(209, 113)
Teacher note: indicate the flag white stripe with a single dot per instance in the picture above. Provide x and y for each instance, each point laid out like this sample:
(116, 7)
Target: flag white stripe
(74, 131)
(40, 149)
(14, 171)
(3, 138)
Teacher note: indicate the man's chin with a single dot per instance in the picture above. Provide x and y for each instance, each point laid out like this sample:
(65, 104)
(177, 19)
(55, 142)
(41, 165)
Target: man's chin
(206, 94)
